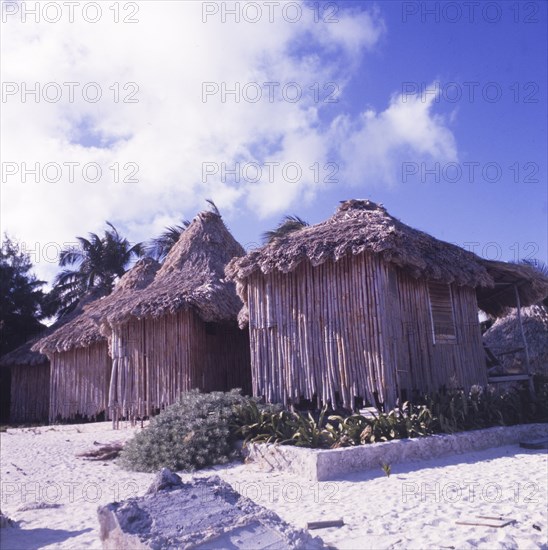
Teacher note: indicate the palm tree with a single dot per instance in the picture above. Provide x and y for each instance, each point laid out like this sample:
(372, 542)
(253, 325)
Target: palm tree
(21, 296)
(287, 225)
(159, 247)
(97, 263)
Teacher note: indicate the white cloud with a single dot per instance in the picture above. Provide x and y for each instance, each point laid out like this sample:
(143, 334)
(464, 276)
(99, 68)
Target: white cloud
(376, 143)
(172, 130)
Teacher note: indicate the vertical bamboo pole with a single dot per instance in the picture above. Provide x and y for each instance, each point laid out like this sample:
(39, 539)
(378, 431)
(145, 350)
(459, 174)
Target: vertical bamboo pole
(524, 339)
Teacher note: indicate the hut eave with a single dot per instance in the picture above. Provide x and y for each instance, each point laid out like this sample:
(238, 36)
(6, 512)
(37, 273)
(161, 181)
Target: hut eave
(81, 328)
(531, 285)
(23, 356)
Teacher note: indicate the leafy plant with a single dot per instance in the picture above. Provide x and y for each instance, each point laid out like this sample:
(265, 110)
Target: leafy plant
(192, 433)
(386, 468)
(94, 264)
(441, 412)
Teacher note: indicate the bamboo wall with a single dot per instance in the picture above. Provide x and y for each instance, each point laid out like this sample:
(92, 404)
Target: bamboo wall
(154, 360)
(336, 331)
(79, 382)
(29, 393)
(418, 362)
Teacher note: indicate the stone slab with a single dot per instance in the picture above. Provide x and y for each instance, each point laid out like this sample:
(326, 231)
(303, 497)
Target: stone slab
(323, 465)
(205, 513)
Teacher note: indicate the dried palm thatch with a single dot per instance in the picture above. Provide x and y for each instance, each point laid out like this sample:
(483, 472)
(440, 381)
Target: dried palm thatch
(360, 226)
(107, 451)
(364, 226)
(28, 354)
(74, 329)
(505, 340)
(24, 356)
(530, 283)
(191, 277)
(81, 327)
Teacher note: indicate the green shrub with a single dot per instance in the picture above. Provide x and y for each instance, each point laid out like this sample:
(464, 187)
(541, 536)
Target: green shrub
(486, 407)
(192, 433)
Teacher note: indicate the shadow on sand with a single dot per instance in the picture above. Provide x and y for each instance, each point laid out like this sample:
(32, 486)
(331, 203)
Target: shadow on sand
(17, 538)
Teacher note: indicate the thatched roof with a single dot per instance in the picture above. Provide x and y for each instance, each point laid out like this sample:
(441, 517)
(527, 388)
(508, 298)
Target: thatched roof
(24, 356)
(82, 329)
(530, 283)
(192, 276)
(505, 336)
(363, 226)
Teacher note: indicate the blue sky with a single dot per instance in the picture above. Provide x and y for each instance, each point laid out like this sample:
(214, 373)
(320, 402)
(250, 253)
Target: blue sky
(385, 133)
(478, 57)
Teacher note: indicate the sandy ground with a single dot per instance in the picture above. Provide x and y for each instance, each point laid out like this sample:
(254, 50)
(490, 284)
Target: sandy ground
(416, 507)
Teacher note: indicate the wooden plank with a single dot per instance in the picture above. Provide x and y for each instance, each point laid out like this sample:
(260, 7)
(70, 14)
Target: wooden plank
(487, 521)
(324, 524)
(524, 339)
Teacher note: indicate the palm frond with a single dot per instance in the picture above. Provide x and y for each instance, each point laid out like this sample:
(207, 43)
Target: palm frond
(287, 225)
(213, 207)
(539, 265)
(97, 263)
(159, 247)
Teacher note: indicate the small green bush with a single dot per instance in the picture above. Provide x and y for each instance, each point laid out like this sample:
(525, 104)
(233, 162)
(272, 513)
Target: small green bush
(192, 433)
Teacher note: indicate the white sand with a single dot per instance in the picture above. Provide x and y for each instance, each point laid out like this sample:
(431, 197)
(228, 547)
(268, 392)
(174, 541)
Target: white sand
(416, 507)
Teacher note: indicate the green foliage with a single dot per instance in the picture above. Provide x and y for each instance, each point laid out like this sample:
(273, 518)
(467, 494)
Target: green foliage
(486, 407)
(386, 468)
(262, 423)
(159, 247)
(21, 299)
(442, 412)
(95, 264)
(287, 225)
(294, 428)
(192, 433)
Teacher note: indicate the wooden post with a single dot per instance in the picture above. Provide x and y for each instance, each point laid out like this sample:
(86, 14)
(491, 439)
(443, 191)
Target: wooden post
(525, 347)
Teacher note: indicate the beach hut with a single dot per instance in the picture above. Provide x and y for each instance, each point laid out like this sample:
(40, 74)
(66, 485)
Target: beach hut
(181, 331)
(25, 384)
(79, 354)
(364, 306)
(514, 347)
(25, 376)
